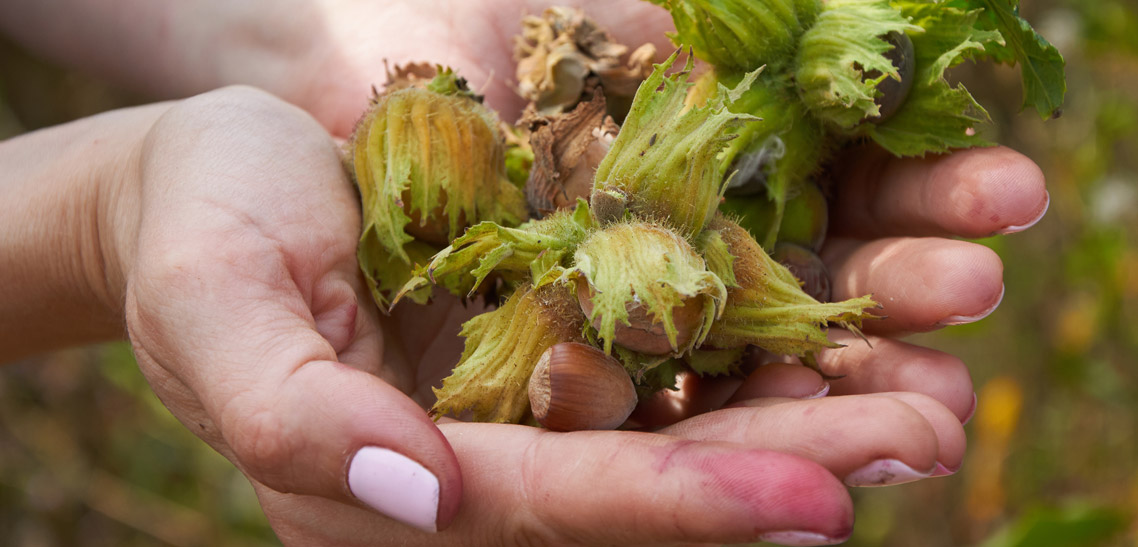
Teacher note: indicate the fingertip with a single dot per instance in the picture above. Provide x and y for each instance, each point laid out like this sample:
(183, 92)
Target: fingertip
(971, 193)
(396, 486)
(353, 437)
(922, 283)
(887, 365)
(776, 491)
(782, 380)
(1019, 189)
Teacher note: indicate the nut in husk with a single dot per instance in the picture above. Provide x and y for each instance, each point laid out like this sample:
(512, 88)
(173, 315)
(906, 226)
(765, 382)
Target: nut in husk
(428, 160)
(650, 280)
(665, 159)
(768, 308)
(502, 348)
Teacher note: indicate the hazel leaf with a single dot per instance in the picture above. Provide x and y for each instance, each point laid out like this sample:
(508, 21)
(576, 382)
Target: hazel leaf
(1041, 64)
(937, 116)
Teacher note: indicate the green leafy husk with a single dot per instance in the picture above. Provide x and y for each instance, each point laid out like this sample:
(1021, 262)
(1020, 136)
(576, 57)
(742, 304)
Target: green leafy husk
(502, 348)
(430, 152)
(665, 160)
(527, 252)
(937, 116)
(769, 309)
(835, 56)
(637, 263)
(740, 34)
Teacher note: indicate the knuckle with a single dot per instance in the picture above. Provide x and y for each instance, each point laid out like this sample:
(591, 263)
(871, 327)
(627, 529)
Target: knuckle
(261, 446)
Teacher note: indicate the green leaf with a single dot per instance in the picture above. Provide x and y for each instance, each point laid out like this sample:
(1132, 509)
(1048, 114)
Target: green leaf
(1041, 64)
(937, 116)
(1060, 527)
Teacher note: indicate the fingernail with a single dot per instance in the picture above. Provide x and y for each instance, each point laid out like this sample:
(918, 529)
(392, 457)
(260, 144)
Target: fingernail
(795, 539)
(943, 470)
(971, 411)
(821, 392)
(1032, 222)
(965, 319)
(396, 486)
(885, 472)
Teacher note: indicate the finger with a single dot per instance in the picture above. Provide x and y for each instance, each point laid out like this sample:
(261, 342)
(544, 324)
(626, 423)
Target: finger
(866, 440)
(693, 395)
(921, 283)
(880, 365)
(620, 488)
(789, 380)
(951, 439)
(971, 193)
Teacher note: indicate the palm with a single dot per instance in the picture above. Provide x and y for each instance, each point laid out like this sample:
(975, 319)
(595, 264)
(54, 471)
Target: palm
(475, 38)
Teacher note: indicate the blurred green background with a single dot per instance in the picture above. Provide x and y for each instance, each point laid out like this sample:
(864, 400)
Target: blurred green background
(88, 456)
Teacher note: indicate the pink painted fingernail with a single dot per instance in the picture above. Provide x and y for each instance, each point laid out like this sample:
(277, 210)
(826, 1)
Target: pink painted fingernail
(965, 319)
(396, 486)
(821, 392)
(971, 411)
(886, 472)
(1032, 222)
(943, 470)
(796, 539)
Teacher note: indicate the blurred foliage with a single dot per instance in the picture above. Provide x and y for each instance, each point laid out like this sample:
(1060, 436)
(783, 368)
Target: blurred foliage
(88, 456)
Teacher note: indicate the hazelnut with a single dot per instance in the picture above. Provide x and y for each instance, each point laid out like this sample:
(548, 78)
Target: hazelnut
(576, 387)
(642, 333)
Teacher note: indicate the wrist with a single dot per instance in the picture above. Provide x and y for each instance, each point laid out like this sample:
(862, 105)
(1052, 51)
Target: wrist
(68, 206)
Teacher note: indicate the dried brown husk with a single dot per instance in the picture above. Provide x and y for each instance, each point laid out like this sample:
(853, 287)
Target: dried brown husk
(567, 149)
(563, 56)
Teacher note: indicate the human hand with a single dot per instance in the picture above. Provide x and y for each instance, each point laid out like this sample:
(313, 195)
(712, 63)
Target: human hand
(892, 227)
(914, 431)
(244, 307)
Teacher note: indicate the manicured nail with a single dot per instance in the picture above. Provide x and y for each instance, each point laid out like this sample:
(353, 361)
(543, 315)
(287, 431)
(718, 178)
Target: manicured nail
(396, 486)
(799, 538)
(821, 392)
(885, 472)
(1032, 222)
(971, 411)
(943, 470)
(965, 319)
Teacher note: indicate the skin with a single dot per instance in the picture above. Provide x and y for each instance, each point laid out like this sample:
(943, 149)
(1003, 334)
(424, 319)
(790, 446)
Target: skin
(221, 230)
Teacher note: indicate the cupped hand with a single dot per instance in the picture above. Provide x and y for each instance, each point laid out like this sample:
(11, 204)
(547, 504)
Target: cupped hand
(251, 323)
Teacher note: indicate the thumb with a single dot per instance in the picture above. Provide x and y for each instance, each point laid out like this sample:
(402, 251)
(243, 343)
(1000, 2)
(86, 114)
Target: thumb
(336, 432)
(285, 410)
